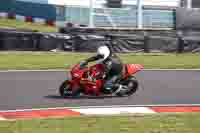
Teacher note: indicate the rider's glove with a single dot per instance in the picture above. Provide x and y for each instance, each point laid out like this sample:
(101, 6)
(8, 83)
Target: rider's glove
(83, 64)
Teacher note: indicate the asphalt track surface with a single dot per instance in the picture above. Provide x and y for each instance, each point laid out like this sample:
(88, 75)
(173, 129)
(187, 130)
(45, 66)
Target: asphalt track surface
(27, 90)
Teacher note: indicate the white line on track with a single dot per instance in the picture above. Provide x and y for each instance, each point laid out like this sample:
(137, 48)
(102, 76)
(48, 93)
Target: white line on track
(171, 69)
(111, 111)
(112, 106)
(2, 119)
(51, 70)
(62, 70)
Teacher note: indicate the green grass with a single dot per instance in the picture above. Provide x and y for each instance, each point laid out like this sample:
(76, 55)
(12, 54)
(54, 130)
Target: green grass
(62, 60)
(161, 123)
(9, 23)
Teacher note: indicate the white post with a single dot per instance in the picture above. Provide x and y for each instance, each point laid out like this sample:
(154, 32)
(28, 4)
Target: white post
(139, 14)
(91, 22)
(189, 3)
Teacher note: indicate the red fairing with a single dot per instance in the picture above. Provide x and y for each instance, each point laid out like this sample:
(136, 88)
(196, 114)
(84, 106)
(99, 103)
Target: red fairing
(80, 77)
(96, 70)
(94, 87)
(77, 73)
(132, 69)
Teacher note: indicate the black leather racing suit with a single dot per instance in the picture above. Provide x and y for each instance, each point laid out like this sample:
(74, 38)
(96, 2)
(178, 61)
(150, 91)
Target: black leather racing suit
(113, 69)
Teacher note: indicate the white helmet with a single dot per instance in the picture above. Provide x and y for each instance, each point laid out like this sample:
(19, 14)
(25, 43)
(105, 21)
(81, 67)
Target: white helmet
(104, 51)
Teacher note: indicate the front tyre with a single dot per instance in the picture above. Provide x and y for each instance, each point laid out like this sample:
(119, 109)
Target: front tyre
(65, 90)
(130, 86)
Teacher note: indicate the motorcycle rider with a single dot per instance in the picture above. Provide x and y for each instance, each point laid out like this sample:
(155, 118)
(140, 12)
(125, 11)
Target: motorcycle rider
(112, 63)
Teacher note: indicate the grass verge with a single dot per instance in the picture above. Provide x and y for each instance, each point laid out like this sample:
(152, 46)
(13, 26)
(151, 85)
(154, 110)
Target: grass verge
(10, 23)
(159, 123)
(62, 60)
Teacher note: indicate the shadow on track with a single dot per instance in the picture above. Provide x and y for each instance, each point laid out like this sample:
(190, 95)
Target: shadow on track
(79, 97)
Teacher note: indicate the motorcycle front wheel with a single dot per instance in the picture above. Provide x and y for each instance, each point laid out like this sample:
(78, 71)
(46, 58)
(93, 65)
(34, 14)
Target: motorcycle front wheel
(65, 90)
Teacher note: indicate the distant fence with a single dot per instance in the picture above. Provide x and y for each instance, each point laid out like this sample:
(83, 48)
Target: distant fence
(122, 17)
(60, 15)
(78, 41)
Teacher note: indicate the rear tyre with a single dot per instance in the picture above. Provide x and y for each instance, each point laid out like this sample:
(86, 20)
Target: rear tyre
(131, 84)
(65, 90)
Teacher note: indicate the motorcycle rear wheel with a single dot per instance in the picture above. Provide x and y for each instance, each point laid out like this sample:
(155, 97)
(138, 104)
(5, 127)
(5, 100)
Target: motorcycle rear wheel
(132, 85)
(65, 90)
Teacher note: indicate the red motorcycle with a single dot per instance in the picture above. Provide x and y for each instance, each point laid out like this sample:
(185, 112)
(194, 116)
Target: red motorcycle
(89, 81)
